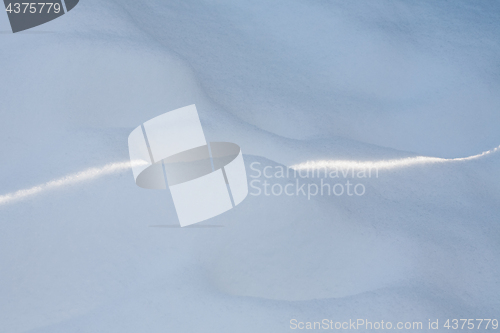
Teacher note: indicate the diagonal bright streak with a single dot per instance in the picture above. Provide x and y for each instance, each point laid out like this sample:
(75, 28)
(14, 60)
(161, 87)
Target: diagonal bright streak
(74, 178)
(383, 164)
(93, 173)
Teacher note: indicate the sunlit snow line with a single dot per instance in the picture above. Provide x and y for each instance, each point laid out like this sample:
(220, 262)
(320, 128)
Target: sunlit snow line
(384, 164)
(78, 177)
(93, 173)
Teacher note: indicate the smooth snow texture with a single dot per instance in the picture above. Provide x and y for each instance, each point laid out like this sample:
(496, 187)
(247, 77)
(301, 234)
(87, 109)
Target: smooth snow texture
(82, 176)
(387, 164)
(290, 82)
(92, 173)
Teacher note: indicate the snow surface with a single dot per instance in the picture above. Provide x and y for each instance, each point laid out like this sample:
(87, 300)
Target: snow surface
(290, 82)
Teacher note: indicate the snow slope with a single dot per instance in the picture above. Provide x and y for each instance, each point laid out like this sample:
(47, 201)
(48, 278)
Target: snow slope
(289, 82)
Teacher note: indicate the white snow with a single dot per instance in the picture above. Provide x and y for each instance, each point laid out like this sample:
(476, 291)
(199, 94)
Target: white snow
(411, 84)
